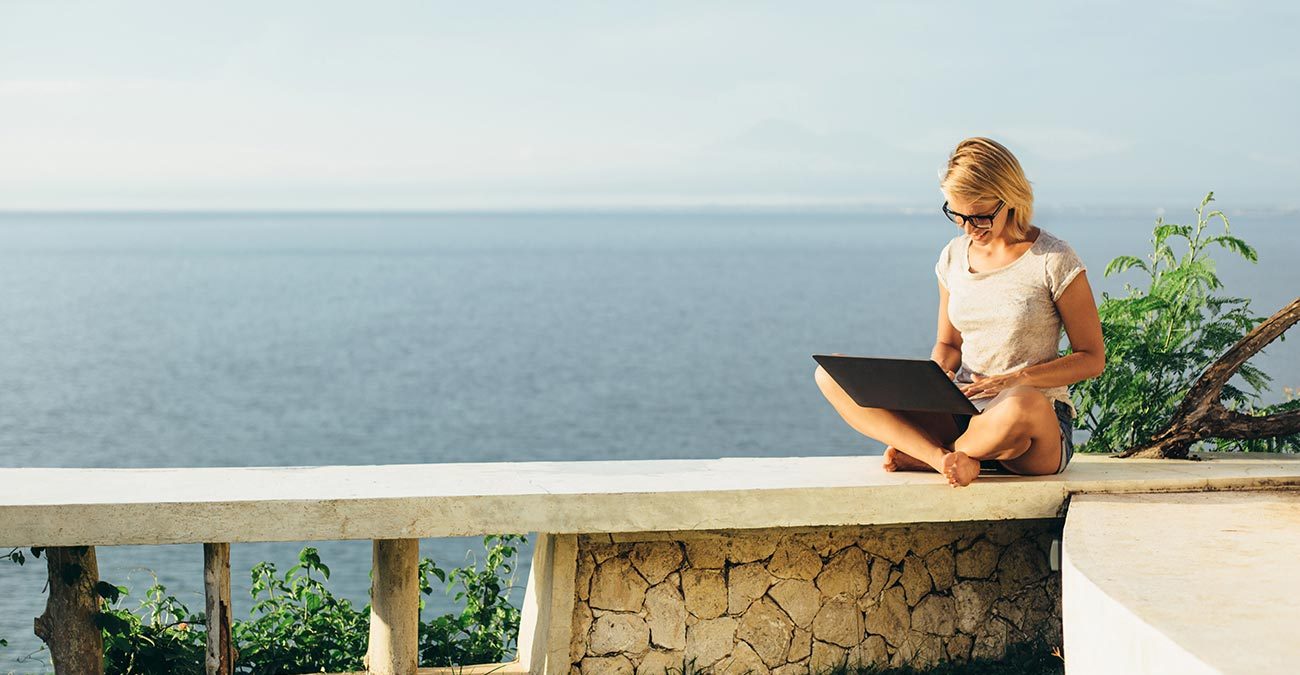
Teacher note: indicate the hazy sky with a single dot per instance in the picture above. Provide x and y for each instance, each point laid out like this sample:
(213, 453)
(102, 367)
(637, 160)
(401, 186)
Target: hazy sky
(408, 105)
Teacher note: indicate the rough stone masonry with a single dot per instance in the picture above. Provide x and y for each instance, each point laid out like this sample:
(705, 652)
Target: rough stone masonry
(798, 600)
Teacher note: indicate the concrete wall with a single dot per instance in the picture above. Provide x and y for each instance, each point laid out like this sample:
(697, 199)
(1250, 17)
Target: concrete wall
(1195, 583)
(783, 599)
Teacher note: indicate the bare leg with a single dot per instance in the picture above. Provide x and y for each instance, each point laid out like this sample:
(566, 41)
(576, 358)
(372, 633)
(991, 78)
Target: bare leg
(897, 460)
(1019, 428)
(890, 427)
(940, 425)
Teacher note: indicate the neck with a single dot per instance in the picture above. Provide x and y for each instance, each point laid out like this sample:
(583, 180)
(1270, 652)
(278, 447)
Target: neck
(1003, 239)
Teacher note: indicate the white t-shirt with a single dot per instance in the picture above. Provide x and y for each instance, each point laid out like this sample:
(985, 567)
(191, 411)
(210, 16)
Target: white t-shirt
(1007, 317)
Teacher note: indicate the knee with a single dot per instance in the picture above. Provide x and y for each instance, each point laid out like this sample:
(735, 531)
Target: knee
(831, 389)
(823, 378)
(1023, 407)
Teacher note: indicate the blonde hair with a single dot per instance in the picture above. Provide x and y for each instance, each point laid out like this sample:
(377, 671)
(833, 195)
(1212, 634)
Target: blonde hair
(981, 168)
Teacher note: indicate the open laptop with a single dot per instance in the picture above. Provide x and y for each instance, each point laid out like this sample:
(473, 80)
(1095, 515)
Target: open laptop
(896, 384)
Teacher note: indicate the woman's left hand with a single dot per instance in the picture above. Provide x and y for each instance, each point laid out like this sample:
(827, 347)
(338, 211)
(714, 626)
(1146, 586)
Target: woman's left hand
(985, 386)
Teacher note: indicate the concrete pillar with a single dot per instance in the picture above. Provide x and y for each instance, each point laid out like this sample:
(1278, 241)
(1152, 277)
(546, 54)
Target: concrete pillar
(394, 608)
(546, 621)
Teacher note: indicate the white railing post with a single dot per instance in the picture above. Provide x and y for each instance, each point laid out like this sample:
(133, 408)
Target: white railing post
(394, 608)
(546, 621)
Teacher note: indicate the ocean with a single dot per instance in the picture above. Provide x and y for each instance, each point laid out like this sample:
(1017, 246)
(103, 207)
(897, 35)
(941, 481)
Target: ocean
(245, 339)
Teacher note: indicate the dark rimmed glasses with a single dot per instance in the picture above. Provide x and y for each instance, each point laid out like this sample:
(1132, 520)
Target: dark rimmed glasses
(982, 222)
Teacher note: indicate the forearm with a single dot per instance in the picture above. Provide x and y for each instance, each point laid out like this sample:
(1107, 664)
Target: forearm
(1064, 371)
(947, 356)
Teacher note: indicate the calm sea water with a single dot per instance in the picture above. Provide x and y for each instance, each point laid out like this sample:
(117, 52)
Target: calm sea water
(253, 339)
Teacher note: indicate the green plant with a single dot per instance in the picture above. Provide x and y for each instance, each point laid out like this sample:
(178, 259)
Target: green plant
(488, 626)
(1160, 338)
(297, 625)
(160, 638)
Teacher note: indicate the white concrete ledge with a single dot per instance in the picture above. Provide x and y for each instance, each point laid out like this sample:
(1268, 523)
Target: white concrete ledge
(66, 507)
(1182, 583)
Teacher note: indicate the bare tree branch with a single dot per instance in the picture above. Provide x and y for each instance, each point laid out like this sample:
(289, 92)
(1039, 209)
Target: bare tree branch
(1201, 414)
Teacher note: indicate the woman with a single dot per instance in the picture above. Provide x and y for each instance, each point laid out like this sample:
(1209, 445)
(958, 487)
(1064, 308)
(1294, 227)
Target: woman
(1006, 289)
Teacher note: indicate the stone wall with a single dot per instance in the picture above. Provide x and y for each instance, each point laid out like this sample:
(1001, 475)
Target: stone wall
(786, 600)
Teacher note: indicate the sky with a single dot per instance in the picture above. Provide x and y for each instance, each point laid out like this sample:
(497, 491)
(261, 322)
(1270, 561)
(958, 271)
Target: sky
(497, 105)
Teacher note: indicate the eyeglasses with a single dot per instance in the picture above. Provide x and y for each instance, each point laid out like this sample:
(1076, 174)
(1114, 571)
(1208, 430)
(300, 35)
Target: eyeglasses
(982, 221)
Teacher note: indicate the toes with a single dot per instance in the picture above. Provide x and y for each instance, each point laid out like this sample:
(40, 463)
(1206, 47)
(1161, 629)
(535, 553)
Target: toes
(955, 467)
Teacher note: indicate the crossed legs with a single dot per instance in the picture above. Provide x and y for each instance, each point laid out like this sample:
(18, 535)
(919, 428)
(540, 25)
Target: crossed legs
(1018, 428)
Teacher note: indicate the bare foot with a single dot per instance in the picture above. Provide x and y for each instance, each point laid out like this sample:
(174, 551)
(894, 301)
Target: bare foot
(960, 468)
(897, 460)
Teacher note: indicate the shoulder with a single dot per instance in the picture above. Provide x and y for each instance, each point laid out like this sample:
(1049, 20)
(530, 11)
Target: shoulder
(952, 247)
(944, 267)
(1055, 250)
(1060, 263)
(1050, 242)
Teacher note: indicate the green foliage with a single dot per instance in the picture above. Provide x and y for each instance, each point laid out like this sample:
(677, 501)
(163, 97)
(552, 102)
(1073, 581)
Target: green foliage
(296, 625)
(485, 630)
(15, 556)
(1160, 338)
(160, 638)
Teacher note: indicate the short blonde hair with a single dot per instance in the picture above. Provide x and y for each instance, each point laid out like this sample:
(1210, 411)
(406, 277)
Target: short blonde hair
(981, 168)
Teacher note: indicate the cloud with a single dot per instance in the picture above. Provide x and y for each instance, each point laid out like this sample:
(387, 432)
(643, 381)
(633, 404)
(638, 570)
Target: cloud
(785, 145)
(1065, 144)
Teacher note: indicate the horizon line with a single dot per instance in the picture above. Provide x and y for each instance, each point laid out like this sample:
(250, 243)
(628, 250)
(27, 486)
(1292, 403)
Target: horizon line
(645, 209)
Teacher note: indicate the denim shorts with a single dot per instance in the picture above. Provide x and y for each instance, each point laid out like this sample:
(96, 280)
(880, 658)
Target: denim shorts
(1067, 439)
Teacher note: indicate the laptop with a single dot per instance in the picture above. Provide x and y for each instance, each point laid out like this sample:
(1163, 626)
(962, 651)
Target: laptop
(896, 384)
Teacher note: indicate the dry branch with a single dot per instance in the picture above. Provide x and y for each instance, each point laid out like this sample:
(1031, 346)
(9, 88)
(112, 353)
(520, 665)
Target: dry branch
(1201, 414)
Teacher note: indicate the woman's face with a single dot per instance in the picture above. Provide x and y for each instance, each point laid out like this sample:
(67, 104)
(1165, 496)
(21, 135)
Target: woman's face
(979, 207)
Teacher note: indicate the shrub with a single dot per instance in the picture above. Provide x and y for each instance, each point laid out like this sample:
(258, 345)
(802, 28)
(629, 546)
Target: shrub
(486, 630)
(296, 625)
(1160, 338)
